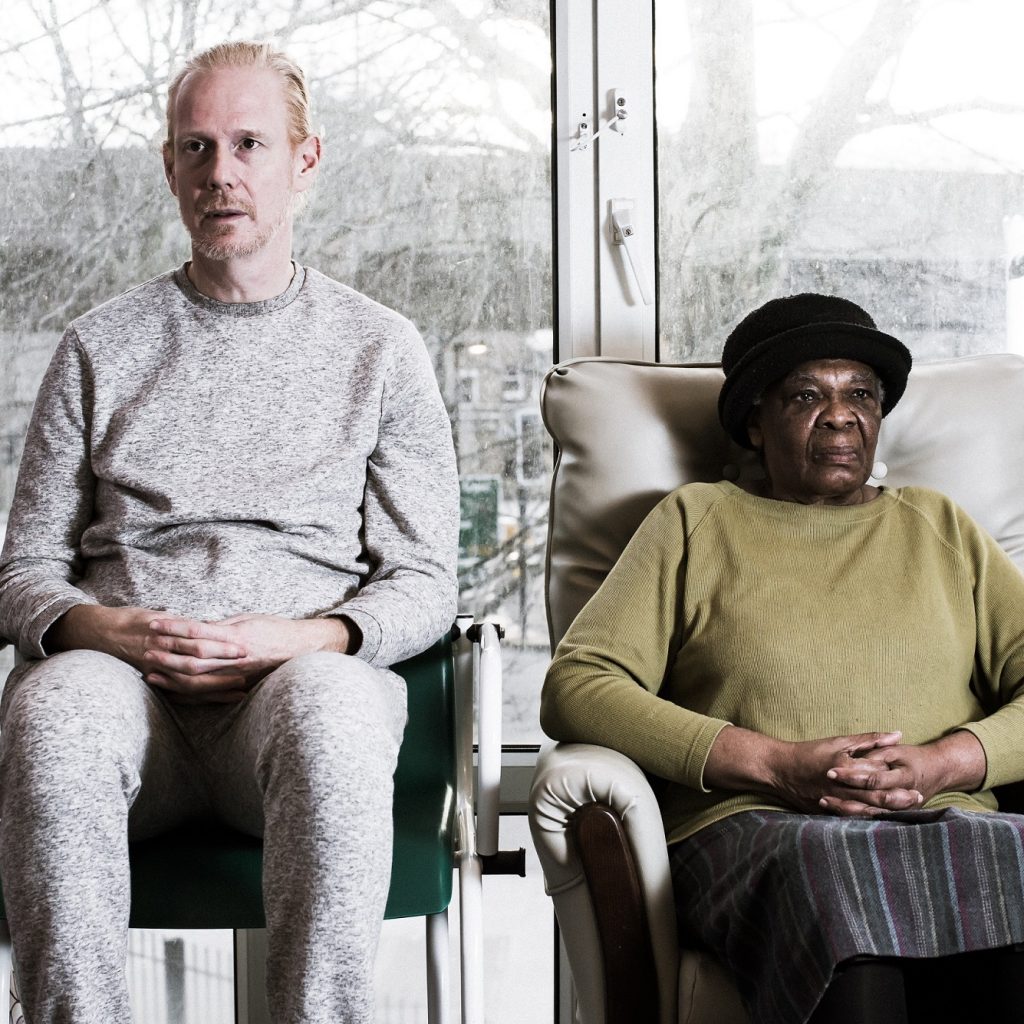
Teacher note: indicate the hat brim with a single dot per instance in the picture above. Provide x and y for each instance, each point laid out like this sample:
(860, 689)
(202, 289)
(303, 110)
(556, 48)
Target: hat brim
(770, 360)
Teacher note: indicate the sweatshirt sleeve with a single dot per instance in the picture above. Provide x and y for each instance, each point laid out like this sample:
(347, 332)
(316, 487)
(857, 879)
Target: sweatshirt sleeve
(603, 684)
(410, 516)
(52, 505)
(999, 655)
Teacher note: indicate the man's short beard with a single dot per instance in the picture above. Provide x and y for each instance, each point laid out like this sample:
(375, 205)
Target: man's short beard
(220, 249)
(226, 249)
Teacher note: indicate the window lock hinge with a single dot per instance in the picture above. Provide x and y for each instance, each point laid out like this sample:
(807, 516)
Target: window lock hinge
(615, 123)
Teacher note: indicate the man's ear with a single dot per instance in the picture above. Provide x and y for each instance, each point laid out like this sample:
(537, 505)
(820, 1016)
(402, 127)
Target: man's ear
(168, 155)
(307, 162)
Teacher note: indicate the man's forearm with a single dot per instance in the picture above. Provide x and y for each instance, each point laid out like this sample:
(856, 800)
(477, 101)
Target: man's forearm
(79, 628)
(335, 633)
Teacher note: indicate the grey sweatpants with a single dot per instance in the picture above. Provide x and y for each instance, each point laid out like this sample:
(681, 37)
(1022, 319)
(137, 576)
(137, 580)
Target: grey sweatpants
(90, 755)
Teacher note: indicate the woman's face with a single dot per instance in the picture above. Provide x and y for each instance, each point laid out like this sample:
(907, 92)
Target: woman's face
(817, 429)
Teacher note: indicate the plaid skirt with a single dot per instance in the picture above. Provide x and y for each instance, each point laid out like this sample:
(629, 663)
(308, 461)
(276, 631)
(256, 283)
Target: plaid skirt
(782, 898)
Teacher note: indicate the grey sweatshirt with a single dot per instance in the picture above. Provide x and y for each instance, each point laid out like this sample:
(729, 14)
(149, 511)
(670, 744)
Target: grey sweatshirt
(291, 456)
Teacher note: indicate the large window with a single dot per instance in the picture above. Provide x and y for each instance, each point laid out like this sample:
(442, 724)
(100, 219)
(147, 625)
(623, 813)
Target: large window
(873, 148)
(869, 149)
(434, 199)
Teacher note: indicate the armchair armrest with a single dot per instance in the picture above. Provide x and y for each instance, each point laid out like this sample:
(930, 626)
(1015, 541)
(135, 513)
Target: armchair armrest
(599, 835)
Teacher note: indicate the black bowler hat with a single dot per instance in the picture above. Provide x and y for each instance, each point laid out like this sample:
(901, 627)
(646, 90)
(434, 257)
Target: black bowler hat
(783, 333)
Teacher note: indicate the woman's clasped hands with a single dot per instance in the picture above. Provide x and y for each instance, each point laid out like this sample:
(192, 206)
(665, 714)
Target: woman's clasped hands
(872, 773)
(861, 775)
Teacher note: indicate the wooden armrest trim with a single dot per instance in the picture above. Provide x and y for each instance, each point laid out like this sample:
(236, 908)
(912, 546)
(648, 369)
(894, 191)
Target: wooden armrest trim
(631, 982)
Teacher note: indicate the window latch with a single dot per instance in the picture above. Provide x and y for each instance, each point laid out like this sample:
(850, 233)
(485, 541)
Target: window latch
(624, 234)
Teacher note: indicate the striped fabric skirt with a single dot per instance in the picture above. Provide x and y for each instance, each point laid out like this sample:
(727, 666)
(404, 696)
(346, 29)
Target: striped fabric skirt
(782, 898)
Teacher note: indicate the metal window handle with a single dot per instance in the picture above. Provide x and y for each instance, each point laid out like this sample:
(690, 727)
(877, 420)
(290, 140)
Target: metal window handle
(624, 234)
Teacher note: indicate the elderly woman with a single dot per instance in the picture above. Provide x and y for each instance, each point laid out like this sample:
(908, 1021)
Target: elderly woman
(827, 675)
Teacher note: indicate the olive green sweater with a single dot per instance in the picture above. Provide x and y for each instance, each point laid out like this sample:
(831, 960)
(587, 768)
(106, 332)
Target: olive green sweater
(799, 622)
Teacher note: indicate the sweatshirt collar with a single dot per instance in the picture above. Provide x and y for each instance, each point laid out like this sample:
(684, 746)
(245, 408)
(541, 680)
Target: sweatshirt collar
(241, 309)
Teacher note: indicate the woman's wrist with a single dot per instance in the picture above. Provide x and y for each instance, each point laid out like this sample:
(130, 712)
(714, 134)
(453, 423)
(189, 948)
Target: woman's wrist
(959, 762)
(741, 759)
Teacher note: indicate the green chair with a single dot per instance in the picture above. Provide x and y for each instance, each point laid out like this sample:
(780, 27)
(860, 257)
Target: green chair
(211, 876)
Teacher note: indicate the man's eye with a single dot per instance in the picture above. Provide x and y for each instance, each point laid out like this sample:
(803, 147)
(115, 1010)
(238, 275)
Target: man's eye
(862, 394)
(805, 396)
(250, 144)
(193, 146)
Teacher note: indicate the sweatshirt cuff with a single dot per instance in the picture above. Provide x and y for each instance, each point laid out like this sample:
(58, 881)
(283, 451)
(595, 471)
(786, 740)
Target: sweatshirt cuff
(368, 626)
(1000, 738)
(30, 643)
(700, 749)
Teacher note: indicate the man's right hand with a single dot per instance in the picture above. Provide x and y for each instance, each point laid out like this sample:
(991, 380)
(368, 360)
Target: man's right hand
(209, 674)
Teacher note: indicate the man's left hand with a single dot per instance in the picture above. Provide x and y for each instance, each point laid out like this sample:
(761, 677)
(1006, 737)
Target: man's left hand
(266, 642)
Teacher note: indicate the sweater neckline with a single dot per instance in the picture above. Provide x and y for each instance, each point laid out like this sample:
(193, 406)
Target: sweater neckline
(794, 511)
(241, 309)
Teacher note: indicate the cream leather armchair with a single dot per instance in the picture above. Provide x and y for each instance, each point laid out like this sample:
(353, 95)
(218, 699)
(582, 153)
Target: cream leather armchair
(626, 434)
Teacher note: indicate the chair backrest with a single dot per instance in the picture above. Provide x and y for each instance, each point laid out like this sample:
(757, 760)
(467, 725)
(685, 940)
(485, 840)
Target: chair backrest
(627, 433)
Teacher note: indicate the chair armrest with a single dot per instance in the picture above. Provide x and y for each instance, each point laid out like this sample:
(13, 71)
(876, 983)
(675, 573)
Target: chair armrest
(592, 814)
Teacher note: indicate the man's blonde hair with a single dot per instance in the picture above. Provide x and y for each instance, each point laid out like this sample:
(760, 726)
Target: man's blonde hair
(250, 55)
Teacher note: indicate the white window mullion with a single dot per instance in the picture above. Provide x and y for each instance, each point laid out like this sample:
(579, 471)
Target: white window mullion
(625, 162)
(576, 183)
(606, 291)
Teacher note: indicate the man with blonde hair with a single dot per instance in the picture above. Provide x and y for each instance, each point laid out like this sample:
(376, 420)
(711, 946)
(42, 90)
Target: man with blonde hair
(237, 506)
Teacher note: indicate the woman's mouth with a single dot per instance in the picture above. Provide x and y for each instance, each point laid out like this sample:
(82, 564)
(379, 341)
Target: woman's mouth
(838, 456)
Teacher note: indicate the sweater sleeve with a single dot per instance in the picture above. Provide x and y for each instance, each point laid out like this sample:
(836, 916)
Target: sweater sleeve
(603, 684)
(52, 505)
(998, 677)
(410, 516)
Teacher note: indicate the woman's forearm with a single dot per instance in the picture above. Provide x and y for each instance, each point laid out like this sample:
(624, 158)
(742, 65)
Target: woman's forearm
(958, 763)
(743, 760)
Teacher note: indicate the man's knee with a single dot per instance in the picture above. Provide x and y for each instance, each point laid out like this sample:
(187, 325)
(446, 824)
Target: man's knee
(73, 706)
(68, 687)
(326, 705)
(338, 686)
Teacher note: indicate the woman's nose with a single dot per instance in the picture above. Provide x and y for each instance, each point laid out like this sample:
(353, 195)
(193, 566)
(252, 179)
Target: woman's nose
(837, 415)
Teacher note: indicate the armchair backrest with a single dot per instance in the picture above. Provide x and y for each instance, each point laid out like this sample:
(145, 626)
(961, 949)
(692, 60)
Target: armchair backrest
(626, 433)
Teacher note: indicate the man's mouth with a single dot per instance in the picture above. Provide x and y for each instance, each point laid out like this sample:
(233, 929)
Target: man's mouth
(224, 214)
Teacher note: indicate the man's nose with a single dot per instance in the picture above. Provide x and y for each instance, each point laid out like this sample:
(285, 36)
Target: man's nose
(221, 170)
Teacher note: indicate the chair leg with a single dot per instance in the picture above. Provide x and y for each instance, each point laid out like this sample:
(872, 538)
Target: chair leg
(251, 976)
(8, 981)
(437, 968)
(471, 939)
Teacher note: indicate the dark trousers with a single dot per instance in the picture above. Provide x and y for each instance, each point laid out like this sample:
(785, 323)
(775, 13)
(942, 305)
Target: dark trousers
(982, 987)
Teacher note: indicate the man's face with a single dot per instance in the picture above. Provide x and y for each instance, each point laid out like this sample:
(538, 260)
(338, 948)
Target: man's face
(232, 166)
